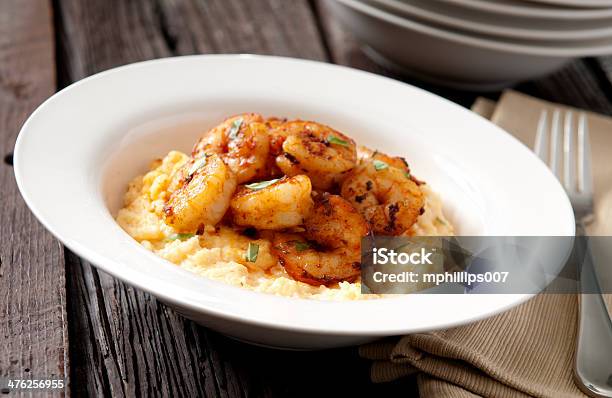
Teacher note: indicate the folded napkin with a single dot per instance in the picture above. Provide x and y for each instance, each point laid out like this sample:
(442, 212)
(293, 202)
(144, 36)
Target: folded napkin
(528, 350)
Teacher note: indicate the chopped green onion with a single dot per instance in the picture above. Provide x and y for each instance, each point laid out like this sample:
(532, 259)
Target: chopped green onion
(197, 165)
(256, 186)
(407, 174)
(379, 164)
(441, 221)
(252, 251)
(236, 124)
(301, 246)
(332, 139)
(180, 237)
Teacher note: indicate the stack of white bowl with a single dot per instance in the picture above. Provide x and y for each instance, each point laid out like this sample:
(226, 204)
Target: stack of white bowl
(478, 44)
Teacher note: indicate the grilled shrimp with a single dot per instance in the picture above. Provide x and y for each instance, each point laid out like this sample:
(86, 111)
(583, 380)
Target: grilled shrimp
(336, 228)
(274, 122)
(318, 151)
(366, 154)
(386, 196)
(203, 195)
(276, 147)
(276, 204)
(243, 143)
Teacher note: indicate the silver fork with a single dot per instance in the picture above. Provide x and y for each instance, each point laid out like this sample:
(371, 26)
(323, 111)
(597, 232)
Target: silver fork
(567, 152)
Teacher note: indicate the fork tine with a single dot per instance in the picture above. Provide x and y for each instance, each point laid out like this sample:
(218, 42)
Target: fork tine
(585, 184)
(569, 152)
(555, 144)
(541, 146)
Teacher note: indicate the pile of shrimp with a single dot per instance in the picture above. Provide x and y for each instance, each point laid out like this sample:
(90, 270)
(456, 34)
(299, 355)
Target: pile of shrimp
(304, 186)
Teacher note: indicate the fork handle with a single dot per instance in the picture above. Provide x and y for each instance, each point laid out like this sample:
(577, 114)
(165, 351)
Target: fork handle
(593, 362)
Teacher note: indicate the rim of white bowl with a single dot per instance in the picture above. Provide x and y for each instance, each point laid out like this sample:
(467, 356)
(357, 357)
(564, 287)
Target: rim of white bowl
(473, 40)
(192, 301)
(576, 3)
(532, 10)
(408, 9)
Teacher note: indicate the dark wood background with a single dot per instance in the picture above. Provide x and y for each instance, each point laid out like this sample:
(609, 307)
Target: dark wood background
(62, 318)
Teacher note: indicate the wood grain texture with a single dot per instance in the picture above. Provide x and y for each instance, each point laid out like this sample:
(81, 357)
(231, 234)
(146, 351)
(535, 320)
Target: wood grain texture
(97, 35)
(123, 342)
(272, 27)
(582, 84)
(33, 329)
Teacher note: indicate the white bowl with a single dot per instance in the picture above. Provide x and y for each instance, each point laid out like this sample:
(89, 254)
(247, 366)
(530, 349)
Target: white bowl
(533, 11)
(448, 15)
(77, 151)
(577, 3)
(455, 59)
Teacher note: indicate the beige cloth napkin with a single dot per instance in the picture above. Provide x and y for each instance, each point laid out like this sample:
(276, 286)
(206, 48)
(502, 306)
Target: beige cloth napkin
(528, 350)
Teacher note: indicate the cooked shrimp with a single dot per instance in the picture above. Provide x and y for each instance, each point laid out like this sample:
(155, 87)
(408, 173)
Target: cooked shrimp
(276, 147)
(336, 228)
(367, 154)
(386, 196)
(274, 122)
(318, 151)
(276, 204)
(203, 196)
(243, 143)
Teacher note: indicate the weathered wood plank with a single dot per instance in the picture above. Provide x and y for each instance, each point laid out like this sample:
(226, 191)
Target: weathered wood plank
(123, 341)
(33, 330)
(98, 35)
(273, 27)
(582, 84)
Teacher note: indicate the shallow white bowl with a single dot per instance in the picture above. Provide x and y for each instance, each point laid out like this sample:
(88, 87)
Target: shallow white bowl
(76, 153)
(506, 26)
(465, 61)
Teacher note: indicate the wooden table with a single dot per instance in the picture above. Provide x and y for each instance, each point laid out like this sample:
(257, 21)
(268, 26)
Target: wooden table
(62, 318)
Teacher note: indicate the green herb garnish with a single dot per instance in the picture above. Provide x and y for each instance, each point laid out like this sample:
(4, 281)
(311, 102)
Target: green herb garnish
(407, 174)
(180, 237)
(236, 124)
(197, 165)
(256, 186)
(252, 251)
(332, 139)
(379, 164)
(301, 246)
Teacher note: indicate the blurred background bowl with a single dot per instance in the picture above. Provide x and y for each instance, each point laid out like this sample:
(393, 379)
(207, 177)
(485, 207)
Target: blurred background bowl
(531, 10)
(504, 26)
(577, 3)
(441, 49)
